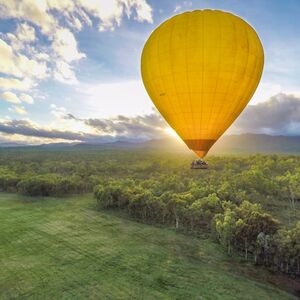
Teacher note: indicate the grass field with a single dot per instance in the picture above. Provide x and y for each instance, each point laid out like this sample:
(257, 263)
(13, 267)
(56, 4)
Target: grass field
(62, 248)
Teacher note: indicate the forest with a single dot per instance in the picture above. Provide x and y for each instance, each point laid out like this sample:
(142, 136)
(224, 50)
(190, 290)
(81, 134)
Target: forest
(247, 204)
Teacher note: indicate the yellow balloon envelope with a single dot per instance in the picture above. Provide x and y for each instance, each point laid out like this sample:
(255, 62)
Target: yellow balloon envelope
(200, 69)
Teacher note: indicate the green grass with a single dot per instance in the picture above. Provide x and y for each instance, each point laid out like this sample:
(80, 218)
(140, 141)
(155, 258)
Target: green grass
(55, 248)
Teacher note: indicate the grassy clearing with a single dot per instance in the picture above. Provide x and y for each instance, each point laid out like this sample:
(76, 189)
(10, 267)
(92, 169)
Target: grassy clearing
(53, 248)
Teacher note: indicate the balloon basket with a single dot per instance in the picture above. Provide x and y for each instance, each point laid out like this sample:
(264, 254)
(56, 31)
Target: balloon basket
(199, 164)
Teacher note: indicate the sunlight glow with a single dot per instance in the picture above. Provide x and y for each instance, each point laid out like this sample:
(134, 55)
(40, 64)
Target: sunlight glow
(171, 132)
(111, 99)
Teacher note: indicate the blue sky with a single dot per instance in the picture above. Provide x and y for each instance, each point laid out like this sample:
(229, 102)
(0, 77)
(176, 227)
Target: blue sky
(68, 65)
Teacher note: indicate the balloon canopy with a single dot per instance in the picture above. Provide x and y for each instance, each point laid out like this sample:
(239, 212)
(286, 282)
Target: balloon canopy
(200, 69)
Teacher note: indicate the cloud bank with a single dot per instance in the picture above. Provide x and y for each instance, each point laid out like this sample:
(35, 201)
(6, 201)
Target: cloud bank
(103, 130)
(151, 126)
(280, 115)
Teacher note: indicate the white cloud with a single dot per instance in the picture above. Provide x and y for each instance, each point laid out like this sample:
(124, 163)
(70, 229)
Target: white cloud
(143, 10)
(280, 114)
(18, 110)
(63, 72)
(23, 57)
(26, 98)
(42, 56)
(29, 10)
(7, 61)
(144, 127)
(15, 84)
(31, 68)
(58, 111)
(20, 65)
(13, 98)
(75, 23)
(10, 97)
(68, 127)
(107, 13)
(264, 91)
(111, 99)
(29, 140)
(24, 35)
(61, 5)
(65, 45)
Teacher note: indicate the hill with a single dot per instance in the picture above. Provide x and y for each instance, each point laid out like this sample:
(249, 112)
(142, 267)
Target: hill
(62, 248)
(228, 144)
(257, 143)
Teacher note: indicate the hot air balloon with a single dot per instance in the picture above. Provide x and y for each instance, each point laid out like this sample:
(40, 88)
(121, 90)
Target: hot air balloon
(200, 69)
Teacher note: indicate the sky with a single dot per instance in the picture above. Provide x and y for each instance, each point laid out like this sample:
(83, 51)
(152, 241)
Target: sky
(70, 69)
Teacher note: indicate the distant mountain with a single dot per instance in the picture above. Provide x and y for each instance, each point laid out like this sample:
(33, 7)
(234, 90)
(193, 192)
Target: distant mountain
(256, 143)
(111, 145)
(57, 145)
(11, 144)
(228, 144)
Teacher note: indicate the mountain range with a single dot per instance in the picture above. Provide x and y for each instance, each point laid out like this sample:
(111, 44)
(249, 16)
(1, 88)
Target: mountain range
(228, 144)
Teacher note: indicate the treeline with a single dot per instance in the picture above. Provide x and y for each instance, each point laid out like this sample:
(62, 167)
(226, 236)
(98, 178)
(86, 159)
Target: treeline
(266, 179)
(43, 185)
(240, 226)
(58, 173)
(258, 178)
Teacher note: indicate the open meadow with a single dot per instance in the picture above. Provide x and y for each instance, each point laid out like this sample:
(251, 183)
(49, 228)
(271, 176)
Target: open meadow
(62, 248)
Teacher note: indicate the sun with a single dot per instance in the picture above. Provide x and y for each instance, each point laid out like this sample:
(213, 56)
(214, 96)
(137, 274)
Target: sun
(171, 132)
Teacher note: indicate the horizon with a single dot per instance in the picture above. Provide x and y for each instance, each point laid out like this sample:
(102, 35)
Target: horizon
(224, 145)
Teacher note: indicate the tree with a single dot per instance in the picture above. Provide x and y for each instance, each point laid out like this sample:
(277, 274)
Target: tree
(225, 228)
(251, 222)
(176, 204)
(202, 211)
